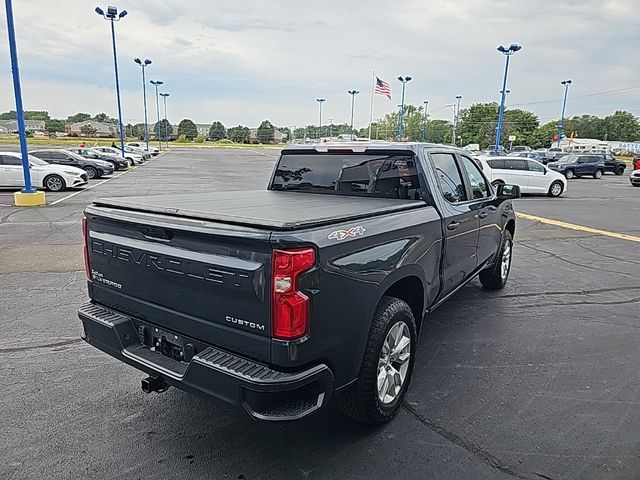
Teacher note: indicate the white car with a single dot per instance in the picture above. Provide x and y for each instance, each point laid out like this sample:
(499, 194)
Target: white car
(634, 178)
(530, 175)
(143, 146)
(129, 155)
(43, 175)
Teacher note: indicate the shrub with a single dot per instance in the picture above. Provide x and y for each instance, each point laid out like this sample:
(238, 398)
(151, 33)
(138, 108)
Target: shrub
(182, 138)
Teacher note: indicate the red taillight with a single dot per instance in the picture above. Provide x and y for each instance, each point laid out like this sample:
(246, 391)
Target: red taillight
(290, 307)
(85, 238)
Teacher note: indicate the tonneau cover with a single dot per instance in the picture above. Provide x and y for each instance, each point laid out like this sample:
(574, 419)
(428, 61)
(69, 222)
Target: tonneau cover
(277, 210)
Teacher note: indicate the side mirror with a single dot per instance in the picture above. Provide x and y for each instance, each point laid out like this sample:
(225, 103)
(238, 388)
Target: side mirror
(508, 192)
(546, 171)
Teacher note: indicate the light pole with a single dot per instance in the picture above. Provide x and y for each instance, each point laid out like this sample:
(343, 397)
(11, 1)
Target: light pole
(424, 121)
(157, 83)
(353, 94)
(166, 123)
(404, 81)
(28, 188)
(320, 102)
(143, 65)
(456, 114)
(113, 16)
(566, 84)
(513, 48)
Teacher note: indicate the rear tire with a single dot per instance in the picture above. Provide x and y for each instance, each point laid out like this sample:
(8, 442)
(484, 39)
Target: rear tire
(496, 276)
(54, 183)
(386, 367)
(597, 174)
(555, 189)
(619, 171)
(91, 173)
(569, 174)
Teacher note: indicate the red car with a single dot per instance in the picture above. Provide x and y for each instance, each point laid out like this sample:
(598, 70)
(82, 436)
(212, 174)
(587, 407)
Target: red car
(636, 162)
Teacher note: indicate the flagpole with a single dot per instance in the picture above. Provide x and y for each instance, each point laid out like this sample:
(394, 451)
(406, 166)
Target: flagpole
(373, 88)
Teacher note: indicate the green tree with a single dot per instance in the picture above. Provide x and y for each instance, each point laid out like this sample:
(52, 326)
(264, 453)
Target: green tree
(584, 126)
(78, 117)
(621, 126)
(104, 118)
(477, 124)
(239, 134)
(54, 125)
(138, 131)
(217, 131)
(187, 128)
(10, 115)
(165, 128)
(543, 135)
(36, 115)
(266, 132)
(439, 131)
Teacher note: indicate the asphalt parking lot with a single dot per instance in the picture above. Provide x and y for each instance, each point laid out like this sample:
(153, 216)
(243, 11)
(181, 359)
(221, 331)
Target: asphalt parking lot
(538, 381)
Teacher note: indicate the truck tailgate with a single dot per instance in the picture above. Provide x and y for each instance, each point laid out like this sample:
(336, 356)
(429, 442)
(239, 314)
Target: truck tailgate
(194, 277)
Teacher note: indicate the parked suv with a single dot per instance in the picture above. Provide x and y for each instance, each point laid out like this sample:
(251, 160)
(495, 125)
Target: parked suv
(612, 164)
(578, 165)
(94, 168)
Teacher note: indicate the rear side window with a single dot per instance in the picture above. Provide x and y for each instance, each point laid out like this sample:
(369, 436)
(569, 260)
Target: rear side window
(515, 165)
(384, 175)
(10, 160)
(449, 178)
(499, 164)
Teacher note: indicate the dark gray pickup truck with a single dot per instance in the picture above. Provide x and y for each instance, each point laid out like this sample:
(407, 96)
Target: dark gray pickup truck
(278, 300)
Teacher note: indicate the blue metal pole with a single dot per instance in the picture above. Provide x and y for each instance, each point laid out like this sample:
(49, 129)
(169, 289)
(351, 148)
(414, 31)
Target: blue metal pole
(144, 94)
(353, 100)
(501, 111)
(18, 94)
(401, 115)
(115, 65)
(564, 104)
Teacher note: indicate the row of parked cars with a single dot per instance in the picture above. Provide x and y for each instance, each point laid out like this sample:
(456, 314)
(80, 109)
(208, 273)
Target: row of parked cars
(57, 169)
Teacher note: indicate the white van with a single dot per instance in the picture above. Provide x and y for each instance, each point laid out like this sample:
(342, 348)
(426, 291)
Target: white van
(531, 176)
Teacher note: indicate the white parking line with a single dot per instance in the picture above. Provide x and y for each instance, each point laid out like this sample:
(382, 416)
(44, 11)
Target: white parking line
(103, 181)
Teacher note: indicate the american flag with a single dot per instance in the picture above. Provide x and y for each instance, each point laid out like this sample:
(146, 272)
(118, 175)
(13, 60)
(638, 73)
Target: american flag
(382, 88)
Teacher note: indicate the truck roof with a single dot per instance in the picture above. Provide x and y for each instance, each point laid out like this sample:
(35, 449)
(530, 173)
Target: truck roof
(362, 146)
(275, 210)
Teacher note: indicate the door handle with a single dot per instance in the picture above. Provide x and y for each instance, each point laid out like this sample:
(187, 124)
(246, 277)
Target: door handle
(483, 215)
(453, 226)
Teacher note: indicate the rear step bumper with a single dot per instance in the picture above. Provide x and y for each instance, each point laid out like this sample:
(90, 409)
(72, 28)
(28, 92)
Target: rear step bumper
(265, 394)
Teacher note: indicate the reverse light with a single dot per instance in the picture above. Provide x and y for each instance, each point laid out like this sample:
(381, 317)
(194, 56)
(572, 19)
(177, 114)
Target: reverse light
(85, 238)
(290, 307)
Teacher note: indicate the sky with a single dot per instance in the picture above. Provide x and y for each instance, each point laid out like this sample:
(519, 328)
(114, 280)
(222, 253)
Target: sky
(244, 62)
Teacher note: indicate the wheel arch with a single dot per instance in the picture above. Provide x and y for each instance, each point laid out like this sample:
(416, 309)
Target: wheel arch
(409, 287)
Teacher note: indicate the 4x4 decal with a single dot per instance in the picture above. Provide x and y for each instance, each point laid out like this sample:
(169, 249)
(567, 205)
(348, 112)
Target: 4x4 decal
(352, 232)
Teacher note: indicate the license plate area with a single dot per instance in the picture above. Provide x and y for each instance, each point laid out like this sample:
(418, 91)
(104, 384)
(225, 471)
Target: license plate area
(166, 343)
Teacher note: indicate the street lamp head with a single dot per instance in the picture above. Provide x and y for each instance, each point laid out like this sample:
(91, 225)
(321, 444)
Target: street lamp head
(515, 47)
(566, 82)
(425, 101)
(147, 61)
(156, 82)
(502, 49)
(123, 14)
(321, 100)
(99, 11)
(353, 92)
(458, 97)
(407, 78)
(111, 11)
(138, 61)
(165, 94)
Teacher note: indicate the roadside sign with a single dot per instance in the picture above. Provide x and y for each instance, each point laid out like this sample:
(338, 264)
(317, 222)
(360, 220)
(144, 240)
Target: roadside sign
(512, 138)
